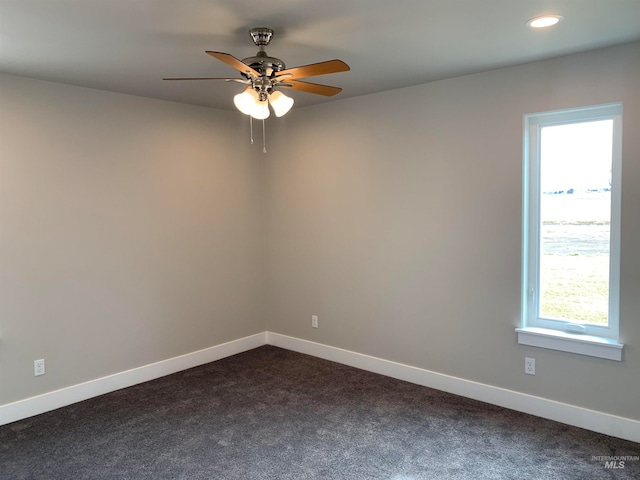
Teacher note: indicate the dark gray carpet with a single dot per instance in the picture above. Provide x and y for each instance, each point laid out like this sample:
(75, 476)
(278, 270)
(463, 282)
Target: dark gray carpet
(274, 414)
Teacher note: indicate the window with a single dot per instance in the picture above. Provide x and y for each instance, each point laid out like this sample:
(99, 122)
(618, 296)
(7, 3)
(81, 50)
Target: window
(571, 231)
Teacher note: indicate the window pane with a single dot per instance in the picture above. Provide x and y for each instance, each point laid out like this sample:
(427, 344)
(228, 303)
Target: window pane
(575, 215)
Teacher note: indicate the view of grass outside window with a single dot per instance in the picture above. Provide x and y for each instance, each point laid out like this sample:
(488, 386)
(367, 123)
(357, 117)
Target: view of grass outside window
(575, 217)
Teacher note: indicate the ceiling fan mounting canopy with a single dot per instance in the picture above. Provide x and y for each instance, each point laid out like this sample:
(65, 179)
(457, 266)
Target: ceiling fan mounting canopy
(261, 36)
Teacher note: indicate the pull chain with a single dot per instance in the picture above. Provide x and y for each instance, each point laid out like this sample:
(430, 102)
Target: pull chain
(251, 127)
(264, 139)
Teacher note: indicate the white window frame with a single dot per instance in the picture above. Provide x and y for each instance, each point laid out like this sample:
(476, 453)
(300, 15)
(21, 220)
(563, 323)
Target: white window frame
(592, 340)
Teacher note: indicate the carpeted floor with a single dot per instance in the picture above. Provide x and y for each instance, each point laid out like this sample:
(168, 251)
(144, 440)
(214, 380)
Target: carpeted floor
(274, 414)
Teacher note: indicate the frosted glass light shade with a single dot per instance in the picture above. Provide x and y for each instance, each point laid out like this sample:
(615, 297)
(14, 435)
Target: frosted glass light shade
(260, 110)
(281, 103)
(246, 101)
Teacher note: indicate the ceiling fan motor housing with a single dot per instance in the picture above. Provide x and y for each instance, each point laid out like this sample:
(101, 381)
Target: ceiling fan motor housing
(264, 64)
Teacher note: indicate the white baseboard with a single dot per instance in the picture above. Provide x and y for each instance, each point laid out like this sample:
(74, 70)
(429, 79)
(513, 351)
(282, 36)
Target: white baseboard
(28, 407)
(615, 426)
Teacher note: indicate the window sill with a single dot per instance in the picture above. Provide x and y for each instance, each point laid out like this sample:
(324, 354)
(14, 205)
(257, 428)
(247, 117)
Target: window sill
(570, 342)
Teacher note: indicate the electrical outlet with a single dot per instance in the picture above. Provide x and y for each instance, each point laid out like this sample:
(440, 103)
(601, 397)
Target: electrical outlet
(314, 321)
(38, 367)
(530, 366)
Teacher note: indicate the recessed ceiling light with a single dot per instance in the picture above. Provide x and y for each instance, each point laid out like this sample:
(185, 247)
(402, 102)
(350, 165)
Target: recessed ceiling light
(544, 21)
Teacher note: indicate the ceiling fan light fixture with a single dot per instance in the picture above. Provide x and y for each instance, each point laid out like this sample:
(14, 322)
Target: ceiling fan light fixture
(280, 103)
(262, 74)
(544, 21)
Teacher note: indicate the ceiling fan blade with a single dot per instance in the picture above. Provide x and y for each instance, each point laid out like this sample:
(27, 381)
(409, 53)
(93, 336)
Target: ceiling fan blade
(322, 68)
(235, 63)
(203, 78)
(309, 87)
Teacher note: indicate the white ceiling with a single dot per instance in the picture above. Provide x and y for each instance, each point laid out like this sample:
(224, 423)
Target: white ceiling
(128, 46)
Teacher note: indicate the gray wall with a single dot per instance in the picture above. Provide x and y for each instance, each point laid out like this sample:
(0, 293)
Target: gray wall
(130, 232)
(396, 218)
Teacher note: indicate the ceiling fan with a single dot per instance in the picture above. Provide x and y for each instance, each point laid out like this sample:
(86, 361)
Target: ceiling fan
(265, 75)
